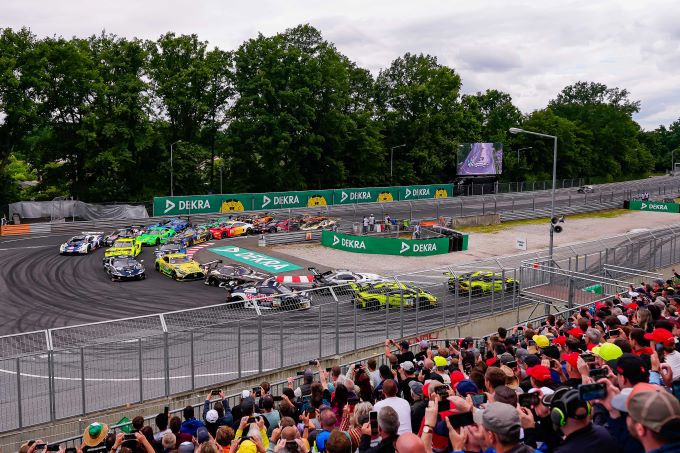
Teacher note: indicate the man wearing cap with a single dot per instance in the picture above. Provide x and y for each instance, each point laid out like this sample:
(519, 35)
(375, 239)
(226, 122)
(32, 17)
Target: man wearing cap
(419, 404)
(219, 415)
(540, 377)
(190, 423)
(499, 425)
(441, 365)
(653, 417)
(671, 356)
(406, 376)
(404, 353)
(607, 354)
(572, 416)
(639, 343)
(400, 405)
(424, 346)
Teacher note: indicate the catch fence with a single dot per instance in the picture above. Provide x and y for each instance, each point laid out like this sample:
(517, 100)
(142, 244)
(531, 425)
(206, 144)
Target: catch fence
(72, 371)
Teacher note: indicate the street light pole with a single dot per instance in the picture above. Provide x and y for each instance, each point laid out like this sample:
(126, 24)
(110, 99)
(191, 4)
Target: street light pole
(392, 157)
(515, 130)
(172, 192)
(220, 179)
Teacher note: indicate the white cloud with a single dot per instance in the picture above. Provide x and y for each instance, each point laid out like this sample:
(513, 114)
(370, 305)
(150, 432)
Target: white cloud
(527, 48)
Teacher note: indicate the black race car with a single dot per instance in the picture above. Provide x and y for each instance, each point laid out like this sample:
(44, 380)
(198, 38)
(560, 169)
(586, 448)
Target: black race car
(270, 296)
(230, 275)
(127, 232)
(120, 268)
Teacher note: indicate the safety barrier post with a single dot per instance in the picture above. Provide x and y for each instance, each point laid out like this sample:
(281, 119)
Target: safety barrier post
(141, 376)
(493, 291)
(320, 335)
(82, 380)
(417, 311)
(337, 325)
(238, 348)
(19, 415)
(192, 359)
(281, 345)
(387, 320)
(401, 314)
(50, 371)
(166, 365)
(259, 343)
(503, 289)
(469, 298)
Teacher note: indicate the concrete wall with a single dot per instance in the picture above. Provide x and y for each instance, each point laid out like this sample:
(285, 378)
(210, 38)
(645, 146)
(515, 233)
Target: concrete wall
(476, 220)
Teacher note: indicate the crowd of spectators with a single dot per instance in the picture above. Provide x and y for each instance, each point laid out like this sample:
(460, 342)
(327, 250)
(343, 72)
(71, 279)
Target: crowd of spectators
(606, 379)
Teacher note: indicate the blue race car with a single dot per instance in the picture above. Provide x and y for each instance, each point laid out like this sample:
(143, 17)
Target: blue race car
(83, 243)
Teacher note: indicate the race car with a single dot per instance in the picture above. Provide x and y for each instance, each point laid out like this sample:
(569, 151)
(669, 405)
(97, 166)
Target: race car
(270, 297)
(585, 189)
(230, 275)
(342, 276)
(192, 236)
(83, 243)
(127, 232)
(288, 225)
(480, 282)
(156, 235)
(266, 227)
(373, 296)
(321, 225)
(178, 266)
(169, 248)
(220, 231)
(124, 246)
(238, 229)
(124, 268)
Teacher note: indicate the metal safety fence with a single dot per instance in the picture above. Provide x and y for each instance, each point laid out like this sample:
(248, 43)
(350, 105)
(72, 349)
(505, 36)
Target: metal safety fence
(72, 371)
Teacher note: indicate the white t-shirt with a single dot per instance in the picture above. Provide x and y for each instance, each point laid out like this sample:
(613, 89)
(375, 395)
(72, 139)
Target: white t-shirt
(402, 408)
(673, 359)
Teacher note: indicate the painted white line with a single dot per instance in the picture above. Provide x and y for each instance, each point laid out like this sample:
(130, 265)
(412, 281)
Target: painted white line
(28, 247)
(60, 378)
(25, 239)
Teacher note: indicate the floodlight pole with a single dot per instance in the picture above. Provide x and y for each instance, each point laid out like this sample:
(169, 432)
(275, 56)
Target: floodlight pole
(391, 158)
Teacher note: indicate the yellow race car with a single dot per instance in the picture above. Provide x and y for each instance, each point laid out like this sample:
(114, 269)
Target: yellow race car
(373, 296)
(179, 266)
(124, 247)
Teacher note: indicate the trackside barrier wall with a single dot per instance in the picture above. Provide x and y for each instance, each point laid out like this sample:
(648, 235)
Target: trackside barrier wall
(391, 246)
(655, 206)
(72, 371)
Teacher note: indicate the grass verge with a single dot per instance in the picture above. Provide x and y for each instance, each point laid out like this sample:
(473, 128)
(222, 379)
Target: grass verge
(606, 214)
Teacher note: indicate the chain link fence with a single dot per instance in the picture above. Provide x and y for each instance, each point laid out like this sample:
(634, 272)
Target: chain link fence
(50, 375)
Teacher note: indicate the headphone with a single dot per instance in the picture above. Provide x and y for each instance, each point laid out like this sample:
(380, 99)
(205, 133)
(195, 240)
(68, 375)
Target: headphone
(566, 406)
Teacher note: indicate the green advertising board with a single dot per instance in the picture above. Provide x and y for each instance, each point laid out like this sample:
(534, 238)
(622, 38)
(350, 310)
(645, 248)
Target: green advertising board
(638, 205)
(365, 195)
(203, 204)
(425, 192)
(264, 262)
(383, 245)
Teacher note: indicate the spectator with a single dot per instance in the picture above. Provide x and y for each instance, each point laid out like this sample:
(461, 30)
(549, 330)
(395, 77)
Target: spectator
(371, 223)
(219, 415)
(411, 443)
(161, 421)
(406, 376)
(190, 423)
(572, 417)
(666, 339)
(224, 436)
(404, 353)
(328, 420)
(373, 372)
(137, 423)
(168, 442)
(364, 224)
(338, 442)
(494, 377)
(251, 437)
(94, 438)
(388, 427)
(422, 354)
(499, 425)
(400, 406)
(272, 415)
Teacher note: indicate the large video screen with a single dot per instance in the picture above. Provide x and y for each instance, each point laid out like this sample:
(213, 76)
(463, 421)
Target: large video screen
(480, 159)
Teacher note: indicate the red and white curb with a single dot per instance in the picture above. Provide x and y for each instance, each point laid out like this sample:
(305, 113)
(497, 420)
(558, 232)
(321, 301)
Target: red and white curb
(196, 248)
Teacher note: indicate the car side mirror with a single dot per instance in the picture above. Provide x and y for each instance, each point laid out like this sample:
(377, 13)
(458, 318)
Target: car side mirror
(141, 261)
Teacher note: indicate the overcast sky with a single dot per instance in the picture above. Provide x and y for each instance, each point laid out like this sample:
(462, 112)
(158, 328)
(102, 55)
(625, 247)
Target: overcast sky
(530, 49)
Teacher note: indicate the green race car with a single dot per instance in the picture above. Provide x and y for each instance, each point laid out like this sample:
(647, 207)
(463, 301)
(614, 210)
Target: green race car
(155, 236)
(480, 282)
(124, 247)
(373, 296)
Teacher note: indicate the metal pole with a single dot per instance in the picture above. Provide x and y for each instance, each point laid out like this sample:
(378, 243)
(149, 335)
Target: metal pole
(469, 298)
(171, 171)
(320, 334)
(21, 425)
(192, 361)
(166, 357)
(238, 349)
(417, 311)
(141, 376)
(401, 315)
(50, 370)
(259, 343)
(354, 304)
(503, 289)
(387, 320)
(82, 381)
(221, 179)
(337, 326)
(281, 344)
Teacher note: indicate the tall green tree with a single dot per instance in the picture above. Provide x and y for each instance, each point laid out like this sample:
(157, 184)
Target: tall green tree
(419, 107)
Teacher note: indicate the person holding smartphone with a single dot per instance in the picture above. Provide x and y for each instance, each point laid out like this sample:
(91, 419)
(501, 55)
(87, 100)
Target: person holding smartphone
(500, 425)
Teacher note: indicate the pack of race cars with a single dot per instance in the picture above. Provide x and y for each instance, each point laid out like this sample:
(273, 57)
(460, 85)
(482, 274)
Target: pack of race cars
(248, 288)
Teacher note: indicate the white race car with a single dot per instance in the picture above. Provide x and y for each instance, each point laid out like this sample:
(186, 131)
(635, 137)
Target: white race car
(83, 243)
(342, 276)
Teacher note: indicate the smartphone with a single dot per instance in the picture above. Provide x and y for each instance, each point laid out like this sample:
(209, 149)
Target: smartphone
(659, 347)
(478, 400)
(589, 392)
(328, 370)
(373, 418)
(352, 400)
(257, 391)
(676, 389)
(599, 373)
(528, 400)
(520, 327)
(214, 392)
(252, 420)
(588, 357)
(512, 364)
(40, 447)
(130, 436)
(300, 373)
(277, 398)
(312, 362)
(442, 391)
(462, 419)
(614, 332)
(166, 409)
(71, 450)
(446, 343)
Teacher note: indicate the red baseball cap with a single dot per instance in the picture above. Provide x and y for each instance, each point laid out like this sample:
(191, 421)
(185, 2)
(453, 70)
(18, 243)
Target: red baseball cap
(572, 359)
(631, 306)
(575, 331)
(491, 361)
(660, 336)
(456, 377)
(561, 340)
(539, 372)
(599, 305)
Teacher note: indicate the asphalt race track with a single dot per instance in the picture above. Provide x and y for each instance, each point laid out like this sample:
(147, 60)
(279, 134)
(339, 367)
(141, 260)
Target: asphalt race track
(39, 289)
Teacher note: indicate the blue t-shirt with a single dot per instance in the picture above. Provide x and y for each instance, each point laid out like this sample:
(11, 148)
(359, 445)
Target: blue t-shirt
(321, 440)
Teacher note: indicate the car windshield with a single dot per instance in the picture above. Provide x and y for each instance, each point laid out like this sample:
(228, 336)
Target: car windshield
(170, 247)
(78, 238)
(122, 244)
(180, 260)
(123, 263)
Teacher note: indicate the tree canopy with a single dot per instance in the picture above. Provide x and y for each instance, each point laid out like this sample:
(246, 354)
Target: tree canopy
(95, 119)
